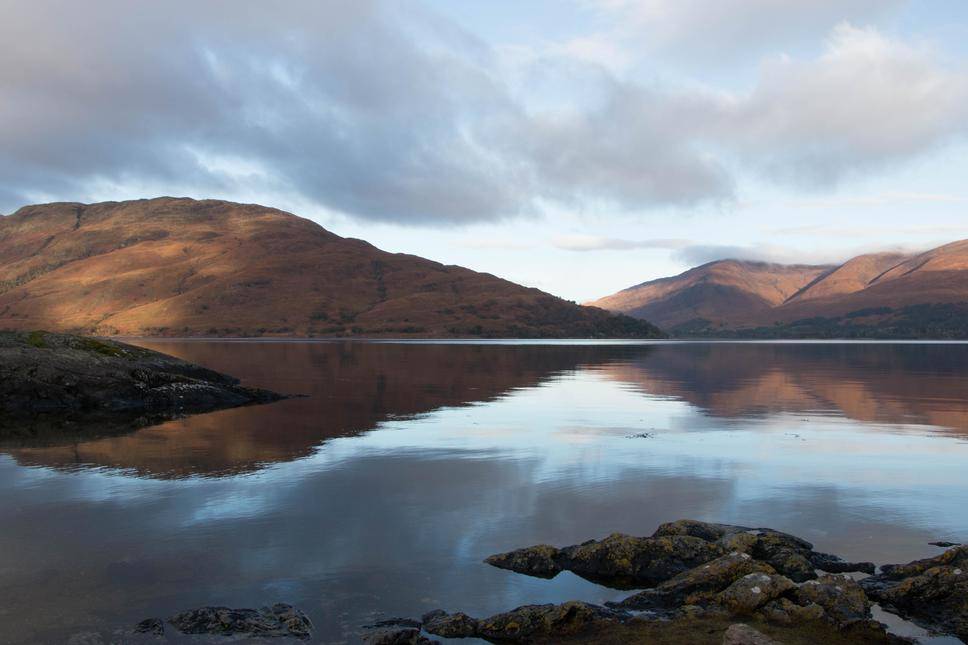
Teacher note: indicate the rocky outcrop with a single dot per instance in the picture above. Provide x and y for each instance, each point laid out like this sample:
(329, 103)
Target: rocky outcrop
(59, 382)
(620, 561)
(932, 592)
(525, 624)
(625, 561)
(278, 621)
(694, 574)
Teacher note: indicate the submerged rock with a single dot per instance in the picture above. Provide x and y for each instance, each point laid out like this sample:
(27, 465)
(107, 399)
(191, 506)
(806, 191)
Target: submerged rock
(279, 620)
(932, 592)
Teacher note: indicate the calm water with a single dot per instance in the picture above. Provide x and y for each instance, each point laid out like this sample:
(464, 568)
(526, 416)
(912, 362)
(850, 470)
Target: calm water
(380, 493)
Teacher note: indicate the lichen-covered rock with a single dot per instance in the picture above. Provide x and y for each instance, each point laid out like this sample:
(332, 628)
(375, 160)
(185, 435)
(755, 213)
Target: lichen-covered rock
(619, 560)
(279, 620)
(783, 611)
(833, 564)
(788, 554)
(527, 623)
(457, 625)
(752, 591)
(933, 592)
(740, 634)
(842, 599)
(538, 561)
(697, 584)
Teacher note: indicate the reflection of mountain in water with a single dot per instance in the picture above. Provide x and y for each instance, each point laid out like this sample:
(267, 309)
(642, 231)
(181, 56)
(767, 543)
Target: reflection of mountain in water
(351, 388)
(903, 383)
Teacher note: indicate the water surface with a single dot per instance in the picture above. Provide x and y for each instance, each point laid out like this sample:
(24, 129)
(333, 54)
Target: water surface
(380, 492)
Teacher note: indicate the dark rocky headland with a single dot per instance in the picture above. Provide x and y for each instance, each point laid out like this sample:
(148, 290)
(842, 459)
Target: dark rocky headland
(56, 385)
(713, 583)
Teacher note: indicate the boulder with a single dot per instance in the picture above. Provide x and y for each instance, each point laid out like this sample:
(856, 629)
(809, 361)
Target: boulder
(842, 599)
(932, 592)
(752, 591)
(698, 583)
(457, 625)
(538, 561)
(279, 620)
(152, 626)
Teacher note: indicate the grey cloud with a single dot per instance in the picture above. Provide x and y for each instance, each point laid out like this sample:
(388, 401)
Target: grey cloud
(386, 112)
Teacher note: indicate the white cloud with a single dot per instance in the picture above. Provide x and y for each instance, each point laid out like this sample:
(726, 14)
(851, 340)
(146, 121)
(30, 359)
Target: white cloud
(865, 102)
(596, 243)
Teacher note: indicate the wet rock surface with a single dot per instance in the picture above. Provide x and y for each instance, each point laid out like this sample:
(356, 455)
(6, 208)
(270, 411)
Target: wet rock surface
(932, 592)
(278, 621)
(54, 385)
(525, 624)
(702, 574)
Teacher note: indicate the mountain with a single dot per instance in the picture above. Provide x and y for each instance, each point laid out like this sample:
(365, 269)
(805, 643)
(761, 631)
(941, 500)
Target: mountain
(181, 267)
(886, 295)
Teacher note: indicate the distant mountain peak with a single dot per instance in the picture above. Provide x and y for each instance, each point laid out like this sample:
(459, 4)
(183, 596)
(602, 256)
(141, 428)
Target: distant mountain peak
(876, 289)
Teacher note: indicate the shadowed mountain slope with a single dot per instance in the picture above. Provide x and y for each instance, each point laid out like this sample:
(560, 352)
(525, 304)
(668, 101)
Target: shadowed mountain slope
(180, 267)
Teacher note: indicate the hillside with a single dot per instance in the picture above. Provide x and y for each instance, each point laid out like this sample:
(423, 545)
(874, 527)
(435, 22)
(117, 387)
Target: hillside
(180, 267)
(883, 295)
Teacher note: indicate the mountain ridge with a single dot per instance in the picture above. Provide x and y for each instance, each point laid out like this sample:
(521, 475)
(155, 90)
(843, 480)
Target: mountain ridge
(889, 294)
(172, 266)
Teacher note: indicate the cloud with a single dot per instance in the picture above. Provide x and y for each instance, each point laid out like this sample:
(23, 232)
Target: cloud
(595, 243)
(703, 32)
(390, 113)
(867, 101)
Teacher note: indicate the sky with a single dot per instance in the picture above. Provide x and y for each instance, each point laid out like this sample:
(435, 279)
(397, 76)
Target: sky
(577, 146)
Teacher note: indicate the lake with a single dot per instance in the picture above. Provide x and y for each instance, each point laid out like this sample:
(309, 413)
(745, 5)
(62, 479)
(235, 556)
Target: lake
(380, 492)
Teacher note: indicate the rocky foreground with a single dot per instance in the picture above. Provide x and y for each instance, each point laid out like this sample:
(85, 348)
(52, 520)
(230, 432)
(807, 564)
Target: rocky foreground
(713, 583)
(61, 383)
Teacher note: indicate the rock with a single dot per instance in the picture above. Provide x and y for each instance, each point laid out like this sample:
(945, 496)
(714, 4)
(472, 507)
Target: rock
(619, 560)
(690, 586)
(538, 561)
(842, 599)
(527, 623)
(740, 634)
(280, 620)
(458, 625)
(398, 635)
(52, 384)
(833, 564)
(153, 626)
(945, 545)
(933, 592)
(752, 591)
(694, 528)
(785, 612)
(788, 554)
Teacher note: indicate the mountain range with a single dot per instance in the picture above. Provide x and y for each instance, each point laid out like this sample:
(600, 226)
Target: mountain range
(895, 295)
(181, 267)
